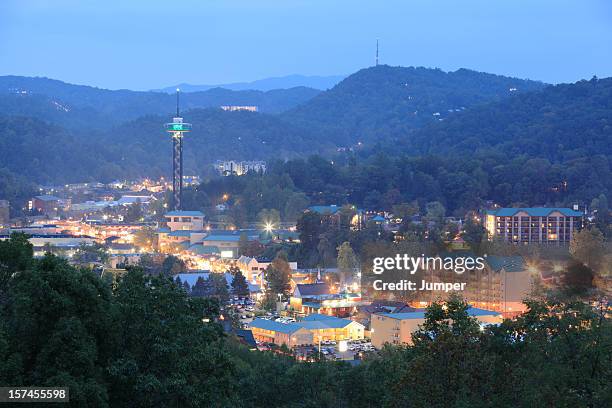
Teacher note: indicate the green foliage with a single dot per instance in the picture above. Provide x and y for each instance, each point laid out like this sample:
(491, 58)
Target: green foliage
(143, 342)
(217, 285)
(588, 247)
(278, 275)
(90, 254)
(347, 262)
(239, 285)
(172, 266)
(15, 255)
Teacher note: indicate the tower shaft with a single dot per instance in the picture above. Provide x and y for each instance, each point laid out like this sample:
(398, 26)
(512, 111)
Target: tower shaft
(177, 170)
(176, 129)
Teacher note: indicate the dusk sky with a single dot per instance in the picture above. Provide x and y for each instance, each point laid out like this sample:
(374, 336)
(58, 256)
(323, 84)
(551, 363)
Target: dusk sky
(151, 44)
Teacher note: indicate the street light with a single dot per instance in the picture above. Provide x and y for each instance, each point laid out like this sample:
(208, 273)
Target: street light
(268, 227)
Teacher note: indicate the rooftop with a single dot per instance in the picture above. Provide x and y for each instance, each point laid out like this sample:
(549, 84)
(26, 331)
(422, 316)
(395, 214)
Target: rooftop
(179, 213)
(325, 209)
(47, 198)
(312, 289)
(325, 321)
(534, 211)
(275, 326)
(472, 311)
(508, 263)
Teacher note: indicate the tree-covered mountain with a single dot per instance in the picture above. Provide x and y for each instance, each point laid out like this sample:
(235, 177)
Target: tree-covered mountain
(384, 102)
(551, 147)
(560, 123)
(60, 102)
(216, 134)
(509, 140)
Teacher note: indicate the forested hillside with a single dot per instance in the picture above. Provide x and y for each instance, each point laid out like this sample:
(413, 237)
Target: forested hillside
(58, 101)
(551, 147)
(383, 102)
(560, 123)
(505, 140)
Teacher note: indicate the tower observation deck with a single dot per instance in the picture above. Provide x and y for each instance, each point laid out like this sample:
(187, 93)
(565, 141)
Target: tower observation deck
(176, 128)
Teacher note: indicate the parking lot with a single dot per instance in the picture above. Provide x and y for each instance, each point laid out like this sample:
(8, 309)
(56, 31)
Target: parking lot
(330, 350)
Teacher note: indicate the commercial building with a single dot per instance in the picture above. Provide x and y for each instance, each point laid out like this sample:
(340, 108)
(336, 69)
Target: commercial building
(183, 229)
(324, 327)
(312, 330)
(48, 204)
(318, 298)
(397, 328)
(539, 225)
(253, 268)
(500, 286)
(289, 334)
(64, 244)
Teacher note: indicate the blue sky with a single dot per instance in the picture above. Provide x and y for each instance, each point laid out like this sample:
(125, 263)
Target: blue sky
(140, 44)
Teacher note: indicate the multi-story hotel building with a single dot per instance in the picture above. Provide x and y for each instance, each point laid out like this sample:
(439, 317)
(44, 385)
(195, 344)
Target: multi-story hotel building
(239, 168)
(501, 286)
(539, 225)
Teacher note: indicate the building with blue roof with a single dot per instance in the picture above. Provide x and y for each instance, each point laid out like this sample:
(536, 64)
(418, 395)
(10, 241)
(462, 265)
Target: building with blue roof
(397, 328)
(290, 334)
(539, 225)
(334, 211)
(180, 213)
(319, 328)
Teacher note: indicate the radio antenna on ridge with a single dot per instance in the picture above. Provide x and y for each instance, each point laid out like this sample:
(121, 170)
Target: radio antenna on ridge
(377, 52)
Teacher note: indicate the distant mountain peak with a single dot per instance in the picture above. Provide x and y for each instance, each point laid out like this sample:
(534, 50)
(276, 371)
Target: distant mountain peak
(266, 84)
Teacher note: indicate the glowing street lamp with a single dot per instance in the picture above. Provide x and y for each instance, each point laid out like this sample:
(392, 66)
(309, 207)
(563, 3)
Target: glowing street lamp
(269, 227)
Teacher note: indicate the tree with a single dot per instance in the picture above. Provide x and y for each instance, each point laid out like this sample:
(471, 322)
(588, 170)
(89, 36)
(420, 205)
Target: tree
(173, 265)
(474, 232)
(146, 237)
(602, 213)
(577, 280)
(151, 263)
(278, 275)
(201, 288)
(309, 226)
(134, 212)
(217, 285)
(435, 212)
(90, 253)
(326, 250)
(15, 255)
(295, 206)
(239, 285)
(587, 246)
(62, 334)
(347, 262)
(405, 210)
(243, 244)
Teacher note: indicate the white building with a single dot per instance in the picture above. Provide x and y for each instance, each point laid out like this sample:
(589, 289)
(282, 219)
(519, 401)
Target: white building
(238, 168)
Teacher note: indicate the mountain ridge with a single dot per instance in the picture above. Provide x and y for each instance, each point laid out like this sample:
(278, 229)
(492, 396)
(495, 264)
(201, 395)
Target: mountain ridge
(321, 82)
